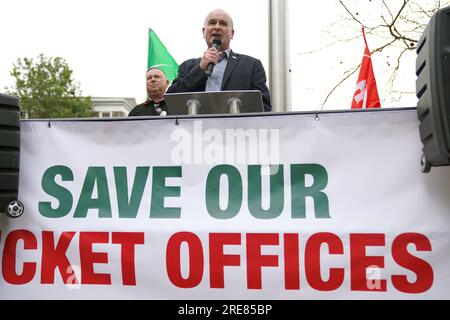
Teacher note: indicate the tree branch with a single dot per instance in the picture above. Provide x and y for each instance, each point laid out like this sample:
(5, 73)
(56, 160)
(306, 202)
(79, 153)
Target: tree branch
(346, 75)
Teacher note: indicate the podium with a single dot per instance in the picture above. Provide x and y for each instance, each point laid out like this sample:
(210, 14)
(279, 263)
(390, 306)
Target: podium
(214, 102)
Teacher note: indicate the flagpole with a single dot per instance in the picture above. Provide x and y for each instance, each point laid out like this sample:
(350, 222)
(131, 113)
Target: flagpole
(148, 47)
(279, 61)
(364, 36)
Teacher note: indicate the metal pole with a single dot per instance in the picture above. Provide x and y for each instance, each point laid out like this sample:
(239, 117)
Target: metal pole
(279, 58)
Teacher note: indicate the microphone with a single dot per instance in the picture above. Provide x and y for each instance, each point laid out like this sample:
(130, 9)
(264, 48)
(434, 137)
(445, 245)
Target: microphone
(217, 42)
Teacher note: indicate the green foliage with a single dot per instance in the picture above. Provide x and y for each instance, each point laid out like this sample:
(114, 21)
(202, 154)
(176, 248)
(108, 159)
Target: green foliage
(46, 89)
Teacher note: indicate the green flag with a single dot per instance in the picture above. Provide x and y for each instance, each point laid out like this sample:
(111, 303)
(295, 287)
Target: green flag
(159, 57)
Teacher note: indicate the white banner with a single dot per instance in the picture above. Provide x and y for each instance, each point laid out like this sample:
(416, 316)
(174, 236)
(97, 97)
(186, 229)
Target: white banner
(264, 207)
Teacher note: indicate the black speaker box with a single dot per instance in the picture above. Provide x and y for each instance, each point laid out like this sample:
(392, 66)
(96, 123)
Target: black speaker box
(433, 90)
(9, 154)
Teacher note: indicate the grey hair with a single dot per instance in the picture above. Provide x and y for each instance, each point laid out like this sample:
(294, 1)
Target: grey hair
(155, 68)
(227, 14)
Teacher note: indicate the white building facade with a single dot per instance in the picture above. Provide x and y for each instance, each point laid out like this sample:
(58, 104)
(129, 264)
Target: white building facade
(109, 107)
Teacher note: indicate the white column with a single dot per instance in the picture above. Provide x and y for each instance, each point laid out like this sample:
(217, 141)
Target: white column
(279, 58)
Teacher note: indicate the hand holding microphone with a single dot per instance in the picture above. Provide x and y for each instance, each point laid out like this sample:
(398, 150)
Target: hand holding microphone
(217, 42)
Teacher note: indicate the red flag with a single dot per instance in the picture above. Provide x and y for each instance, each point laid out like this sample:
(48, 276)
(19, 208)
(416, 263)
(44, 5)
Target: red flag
(366, 94)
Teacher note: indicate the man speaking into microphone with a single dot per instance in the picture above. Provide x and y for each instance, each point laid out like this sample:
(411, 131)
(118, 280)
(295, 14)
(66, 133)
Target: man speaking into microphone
(221, 69)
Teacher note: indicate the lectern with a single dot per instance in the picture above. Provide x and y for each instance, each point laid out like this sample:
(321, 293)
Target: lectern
(214, 102)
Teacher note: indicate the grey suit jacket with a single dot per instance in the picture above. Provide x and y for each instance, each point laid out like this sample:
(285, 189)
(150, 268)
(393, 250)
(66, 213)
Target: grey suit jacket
(242, 73)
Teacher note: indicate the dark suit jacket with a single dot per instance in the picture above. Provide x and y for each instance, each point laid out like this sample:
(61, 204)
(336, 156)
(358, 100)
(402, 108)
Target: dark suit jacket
(242, 73)
(147, 109)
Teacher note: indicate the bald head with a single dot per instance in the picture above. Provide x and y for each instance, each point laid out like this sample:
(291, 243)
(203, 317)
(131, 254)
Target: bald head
(218, 23)
(157, 84)
(220, 12)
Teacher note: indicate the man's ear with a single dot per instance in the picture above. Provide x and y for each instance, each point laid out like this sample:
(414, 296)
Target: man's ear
(232, 33)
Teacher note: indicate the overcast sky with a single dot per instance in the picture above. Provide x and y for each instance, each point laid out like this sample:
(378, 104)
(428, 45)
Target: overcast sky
(105, 42)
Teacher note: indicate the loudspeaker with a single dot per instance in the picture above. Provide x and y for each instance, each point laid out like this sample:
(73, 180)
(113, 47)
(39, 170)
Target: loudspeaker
(433, 90)
(9, 156)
